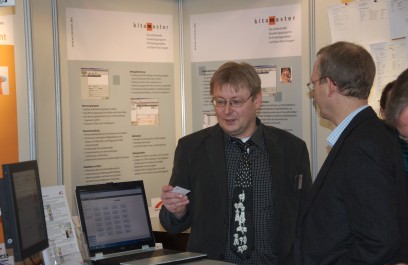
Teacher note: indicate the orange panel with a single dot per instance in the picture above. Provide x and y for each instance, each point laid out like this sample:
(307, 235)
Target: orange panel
(8, 113)
(8, 108)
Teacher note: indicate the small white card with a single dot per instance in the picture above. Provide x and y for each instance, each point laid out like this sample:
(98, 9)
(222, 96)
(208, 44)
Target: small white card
(180, 190)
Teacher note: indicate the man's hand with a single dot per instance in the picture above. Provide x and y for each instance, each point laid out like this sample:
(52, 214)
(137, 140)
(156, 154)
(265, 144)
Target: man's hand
(176, 203)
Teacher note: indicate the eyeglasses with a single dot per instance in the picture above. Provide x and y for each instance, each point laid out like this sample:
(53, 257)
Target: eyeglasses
(234, 103)
(311, 85)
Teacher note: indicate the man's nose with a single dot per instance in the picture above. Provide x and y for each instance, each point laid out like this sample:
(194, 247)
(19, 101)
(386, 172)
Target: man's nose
(227, 108)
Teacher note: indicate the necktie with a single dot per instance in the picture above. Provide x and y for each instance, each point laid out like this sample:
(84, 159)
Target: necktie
(242, 230)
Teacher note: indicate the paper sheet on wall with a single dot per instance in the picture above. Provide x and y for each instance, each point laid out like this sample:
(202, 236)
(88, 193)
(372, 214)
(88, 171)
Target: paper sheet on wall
(343, 21)
(398, 13)
(391, 59)
(362, 22)
(373, 18)
(60, 228)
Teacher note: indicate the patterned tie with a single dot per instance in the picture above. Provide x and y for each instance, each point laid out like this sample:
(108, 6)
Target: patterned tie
(242, 230)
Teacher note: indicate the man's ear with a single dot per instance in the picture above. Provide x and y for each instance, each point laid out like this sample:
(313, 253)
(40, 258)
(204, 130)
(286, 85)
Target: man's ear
(258, 99)
(332, 87)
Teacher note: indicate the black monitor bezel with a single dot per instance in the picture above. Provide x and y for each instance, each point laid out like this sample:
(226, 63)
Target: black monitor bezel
(9, 204)
(111, 186)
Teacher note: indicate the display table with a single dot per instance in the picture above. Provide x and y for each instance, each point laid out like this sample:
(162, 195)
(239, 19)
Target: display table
(177, 242)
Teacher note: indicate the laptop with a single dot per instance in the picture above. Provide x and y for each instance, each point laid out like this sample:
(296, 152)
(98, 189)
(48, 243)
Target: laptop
(117, 228)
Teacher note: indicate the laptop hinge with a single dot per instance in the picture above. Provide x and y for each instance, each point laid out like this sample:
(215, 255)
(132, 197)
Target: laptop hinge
(98, 255)
(145, 247)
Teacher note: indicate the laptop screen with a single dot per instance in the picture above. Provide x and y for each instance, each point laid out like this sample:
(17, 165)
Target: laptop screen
(114, 217)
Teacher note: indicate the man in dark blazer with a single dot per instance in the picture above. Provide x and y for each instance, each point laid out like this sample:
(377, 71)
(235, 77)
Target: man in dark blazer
(356, 211)
(206, 161)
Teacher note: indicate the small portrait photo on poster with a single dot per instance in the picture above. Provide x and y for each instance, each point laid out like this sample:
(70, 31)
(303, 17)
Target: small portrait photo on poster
(286, 75)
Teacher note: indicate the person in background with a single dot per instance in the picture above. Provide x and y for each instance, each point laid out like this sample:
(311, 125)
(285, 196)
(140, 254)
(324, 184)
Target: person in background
(396, 113)
(208, 163)
(356, 211)
(384, 96)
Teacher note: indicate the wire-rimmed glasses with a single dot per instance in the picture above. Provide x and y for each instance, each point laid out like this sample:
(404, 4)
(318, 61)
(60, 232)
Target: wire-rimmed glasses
(234, 103)
(311, 84)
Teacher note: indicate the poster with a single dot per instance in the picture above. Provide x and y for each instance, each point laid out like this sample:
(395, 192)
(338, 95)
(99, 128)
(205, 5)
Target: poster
(267, 38)
(121, 92)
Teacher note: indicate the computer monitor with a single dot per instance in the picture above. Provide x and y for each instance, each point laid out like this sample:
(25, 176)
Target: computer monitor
(22, 209)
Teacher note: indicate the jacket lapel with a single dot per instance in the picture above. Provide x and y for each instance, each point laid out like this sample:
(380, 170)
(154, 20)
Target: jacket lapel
(276, 158)
(215, 152)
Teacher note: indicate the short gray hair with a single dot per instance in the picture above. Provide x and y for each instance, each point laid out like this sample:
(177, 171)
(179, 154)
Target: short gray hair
(349, 66)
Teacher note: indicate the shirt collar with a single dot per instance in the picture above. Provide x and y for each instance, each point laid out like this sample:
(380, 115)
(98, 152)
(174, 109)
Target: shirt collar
(335, 134)
(257, 136)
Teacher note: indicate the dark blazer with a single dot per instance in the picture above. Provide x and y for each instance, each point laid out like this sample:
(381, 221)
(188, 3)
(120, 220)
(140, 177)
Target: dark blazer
(357, 209)
(199, 165)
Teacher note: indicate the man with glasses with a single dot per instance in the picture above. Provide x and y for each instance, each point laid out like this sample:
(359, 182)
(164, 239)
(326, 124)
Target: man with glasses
(243, 204)
(356, 211)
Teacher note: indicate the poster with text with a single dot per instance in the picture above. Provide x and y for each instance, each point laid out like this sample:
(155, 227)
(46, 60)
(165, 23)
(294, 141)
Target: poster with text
(121, 89)
(267, 38)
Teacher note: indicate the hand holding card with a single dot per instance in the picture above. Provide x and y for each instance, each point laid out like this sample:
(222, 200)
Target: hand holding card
(181, 190)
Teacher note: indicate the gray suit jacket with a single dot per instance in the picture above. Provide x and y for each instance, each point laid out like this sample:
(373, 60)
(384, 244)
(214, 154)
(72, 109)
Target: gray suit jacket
(199, 165)
(357, 209)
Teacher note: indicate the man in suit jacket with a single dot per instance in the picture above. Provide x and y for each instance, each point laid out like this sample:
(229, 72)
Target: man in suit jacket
(206, 163)
(356, 211)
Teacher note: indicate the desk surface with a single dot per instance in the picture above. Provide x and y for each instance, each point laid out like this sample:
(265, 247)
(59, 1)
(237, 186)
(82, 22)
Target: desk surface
(208, 262)
(197, 262)
(156, 226)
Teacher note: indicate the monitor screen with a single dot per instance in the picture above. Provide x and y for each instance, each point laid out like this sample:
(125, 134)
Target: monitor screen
(22, 209)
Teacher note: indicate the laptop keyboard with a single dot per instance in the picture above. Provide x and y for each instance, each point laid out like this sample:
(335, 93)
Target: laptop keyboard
(140, 255)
